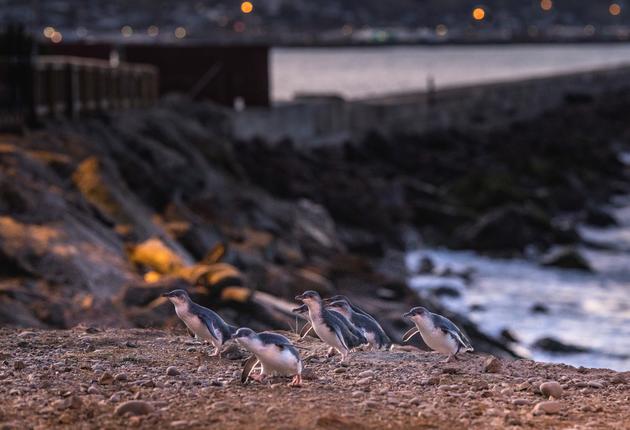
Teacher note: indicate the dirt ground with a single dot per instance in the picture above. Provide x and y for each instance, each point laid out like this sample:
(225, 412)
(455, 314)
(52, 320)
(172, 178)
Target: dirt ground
(82, 378)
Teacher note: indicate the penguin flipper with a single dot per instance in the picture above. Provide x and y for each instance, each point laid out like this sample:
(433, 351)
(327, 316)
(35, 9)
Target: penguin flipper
(410, 333)
(248, 368)
(308, 327)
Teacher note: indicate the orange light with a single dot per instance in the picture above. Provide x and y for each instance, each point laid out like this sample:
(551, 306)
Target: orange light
(247, 7)
(56, 37)
(478, 13)
(614, 9)
(546, 5)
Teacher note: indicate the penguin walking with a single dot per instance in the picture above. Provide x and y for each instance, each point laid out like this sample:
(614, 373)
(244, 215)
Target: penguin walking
(354, 307)
(371, 329)
(330, 326)
(276, 353)
(439, 333)
(202, 322)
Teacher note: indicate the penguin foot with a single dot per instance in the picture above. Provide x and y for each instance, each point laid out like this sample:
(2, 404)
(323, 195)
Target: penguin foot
(450, 359)
(258, 378)
(296, 382)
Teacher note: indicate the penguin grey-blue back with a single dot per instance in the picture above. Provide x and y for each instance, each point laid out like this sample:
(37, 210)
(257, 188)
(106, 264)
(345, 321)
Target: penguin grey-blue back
(202, 322)
(370, 328)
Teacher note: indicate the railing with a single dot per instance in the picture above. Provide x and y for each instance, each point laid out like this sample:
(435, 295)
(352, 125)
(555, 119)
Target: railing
(72, 86)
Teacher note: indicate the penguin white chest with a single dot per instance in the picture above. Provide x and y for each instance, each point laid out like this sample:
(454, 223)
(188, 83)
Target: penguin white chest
(327, 335)
(438, 341)
(195, 324)
(278, 362)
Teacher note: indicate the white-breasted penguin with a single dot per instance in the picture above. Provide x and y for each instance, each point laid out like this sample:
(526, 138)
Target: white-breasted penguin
(202, 322)
(331, 327)
(276, 353)
(439, 333)
(370, 328)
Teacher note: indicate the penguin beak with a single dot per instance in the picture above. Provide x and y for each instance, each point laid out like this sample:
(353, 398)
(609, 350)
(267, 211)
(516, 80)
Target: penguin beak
(300, 297)
(167, 295)
(407, 315)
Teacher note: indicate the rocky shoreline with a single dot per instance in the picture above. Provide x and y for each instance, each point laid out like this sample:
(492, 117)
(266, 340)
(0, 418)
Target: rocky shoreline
(99, 217)
(146, 378)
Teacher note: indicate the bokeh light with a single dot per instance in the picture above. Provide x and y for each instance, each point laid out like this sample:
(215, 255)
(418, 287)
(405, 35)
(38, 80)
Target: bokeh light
(614, 9)
(546, 5)
(247, 7)
(126, 31)
(180, 32)
(56, 37)
(48, 32)
(441, 30)
(153, 31)
(479, 13)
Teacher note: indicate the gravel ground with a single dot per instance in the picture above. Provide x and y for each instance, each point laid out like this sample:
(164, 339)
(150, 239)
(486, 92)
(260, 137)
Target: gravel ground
(89, 378)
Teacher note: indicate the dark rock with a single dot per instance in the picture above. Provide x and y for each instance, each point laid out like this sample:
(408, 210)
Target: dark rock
(508, 335)
(445, 291)
(566, 258)
(426, 265)
(599, 218)
(539, 308)
(550, 344)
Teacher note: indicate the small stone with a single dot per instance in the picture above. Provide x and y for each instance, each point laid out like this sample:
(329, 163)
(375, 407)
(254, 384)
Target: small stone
(520, 402)
(172, 371)
(370, 404)
(340, 370)
(551, 389)
(121, 377)
(180, 423)
(366, 374)
(19, 365)
(549, 408)
(364, 381)
(134, 408)
(216, 383)
(93, 389)
(597, 384)
(204, 369)
(147, 384)
(492, 365)
(106, 378)
(415, 401)
(116, 397)
(357, 394)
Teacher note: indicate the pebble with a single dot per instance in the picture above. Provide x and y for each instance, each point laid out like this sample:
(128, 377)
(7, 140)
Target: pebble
(370, 404)
(204, 369)
(492, 365)
(121, 377)
(520, 402)
(357, 394)
(106, 378)
(92, 389)
(366, 374)
(134, 408)
(551, 389)
(116, 397)
(19, 365)
(415, 401)
(549, 408)
(597, 384)
(340, 370)
(180, 423)
(172, 371)
(364, 381)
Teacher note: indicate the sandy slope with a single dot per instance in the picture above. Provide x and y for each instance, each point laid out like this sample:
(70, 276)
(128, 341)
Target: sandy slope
(78, 378)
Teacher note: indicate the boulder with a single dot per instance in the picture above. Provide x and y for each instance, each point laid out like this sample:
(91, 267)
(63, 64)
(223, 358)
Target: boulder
(566, 258)
(550, 344)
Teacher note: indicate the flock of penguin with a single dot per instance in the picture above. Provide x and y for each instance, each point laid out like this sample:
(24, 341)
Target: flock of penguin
(340, 324)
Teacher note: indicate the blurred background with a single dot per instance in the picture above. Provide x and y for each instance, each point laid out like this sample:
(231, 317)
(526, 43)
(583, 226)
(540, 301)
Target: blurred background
(472, 157)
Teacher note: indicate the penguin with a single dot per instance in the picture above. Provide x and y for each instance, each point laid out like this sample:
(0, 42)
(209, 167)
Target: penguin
(331, 328)
(202, 322)
(439, 333)
(276, 353)
(370, 328)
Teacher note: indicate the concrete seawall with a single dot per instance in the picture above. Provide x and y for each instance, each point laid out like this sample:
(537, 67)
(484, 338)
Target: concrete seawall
(329, 120)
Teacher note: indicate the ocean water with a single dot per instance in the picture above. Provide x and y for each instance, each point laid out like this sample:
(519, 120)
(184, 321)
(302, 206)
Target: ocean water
(586, 309)
(372, 71)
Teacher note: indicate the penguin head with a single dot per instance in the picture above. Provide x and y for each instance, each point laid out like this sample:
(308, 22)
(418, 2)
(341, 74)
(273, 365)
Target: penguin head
(341, 306)
(177, 296)
(309, 296)
(243, 335)
(418, 314)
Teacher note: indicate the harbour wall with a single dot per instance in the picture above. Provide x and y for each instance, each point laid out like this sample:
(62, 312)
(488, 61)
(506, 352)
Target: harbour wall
(323, 120)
